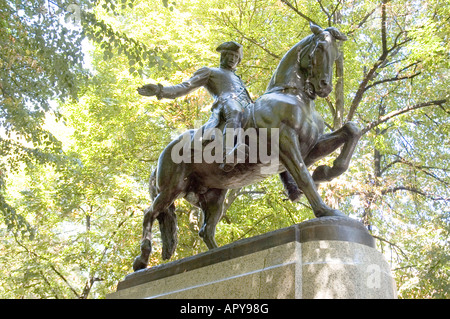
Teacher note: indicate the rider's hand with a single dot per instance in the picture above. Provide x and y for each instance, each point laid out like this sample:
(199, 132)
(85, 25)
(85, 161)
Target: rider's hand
(149, 90)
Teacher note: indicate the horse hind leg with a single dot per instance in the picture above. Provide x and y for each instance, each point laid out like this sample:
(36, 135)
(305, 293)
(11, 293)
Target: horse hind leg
(293, 192)
(167, 222)
(211, 204)
(141, 261)
(163, 210)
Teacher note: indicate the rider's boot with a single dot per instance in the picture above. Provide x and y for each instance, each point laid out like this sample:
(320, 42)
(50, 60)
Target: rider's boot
(235, 151)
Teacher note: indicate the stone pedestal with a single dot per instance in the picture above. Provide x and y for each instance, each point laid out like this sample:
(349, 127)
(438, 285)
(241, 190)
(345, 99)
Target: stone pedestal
(329, 257)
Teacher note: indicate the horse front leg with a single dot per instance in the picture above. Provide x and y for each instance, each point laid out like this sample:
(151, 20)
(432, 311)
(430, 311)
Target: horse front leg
(292, 160)
(348, 136)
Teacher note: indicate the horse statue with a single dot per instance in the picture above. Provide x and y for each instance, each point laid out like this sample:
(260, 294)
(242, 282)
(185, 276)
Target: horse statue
(288, 108)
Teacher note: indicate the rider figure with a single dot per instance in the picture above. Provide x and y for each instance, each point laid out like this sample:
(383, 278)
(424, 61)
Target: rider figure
(227, 89)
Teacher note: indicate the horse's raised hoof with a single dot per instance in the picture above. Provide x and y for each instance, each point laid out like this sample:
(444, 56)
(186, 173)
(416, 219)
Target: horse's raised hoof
(139, 263)
(322, 174)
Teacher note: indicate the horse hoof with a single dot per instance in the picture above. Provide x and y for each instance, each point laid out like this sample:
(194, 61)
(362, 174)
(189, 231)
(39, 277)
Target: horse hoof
(322, 174)
(139, 263)
(329, 212)
(168, 252)
(166, 255)
(294, 194)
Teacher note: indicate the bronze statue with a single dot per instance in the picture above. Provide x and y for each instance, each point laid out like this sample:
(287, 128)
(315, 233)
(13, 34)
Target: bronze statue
(230, 99)
(286, 108)
(229, 93)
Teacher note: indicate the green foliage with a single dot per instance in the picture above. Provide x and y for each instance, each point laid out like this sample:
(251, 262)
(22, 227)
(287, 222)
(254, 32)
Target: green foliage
(73, 183)
(40, 59)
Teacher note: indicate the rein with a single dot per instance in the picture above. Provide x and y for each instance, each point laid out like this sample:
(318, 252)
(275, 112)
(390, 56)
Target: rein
(309, 88)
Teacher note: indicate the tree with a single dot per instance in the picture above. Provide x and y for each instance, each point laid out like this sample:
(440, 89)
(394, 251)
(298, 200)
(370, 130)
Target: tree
(85, 210)
(403, 74)
(41, 61)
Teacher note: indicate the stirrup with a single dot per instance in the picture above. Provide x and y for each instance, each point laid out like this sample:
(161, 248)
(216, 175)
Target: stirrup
(227, 166)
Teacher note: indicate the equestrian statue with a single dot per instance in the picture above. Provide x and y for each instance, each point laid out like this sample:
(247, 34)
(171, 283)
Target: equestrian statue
(285, 113)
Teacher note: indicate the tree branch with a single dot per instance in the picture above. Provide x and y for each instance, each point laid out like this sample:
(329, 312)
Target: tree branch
(383, 27)
(393, 114)
(391, 244)
(413, 190)
(362, 86)
(418, 167)
(361, 23)
(231, 197)
(338, 116)
(65, 280)
(402, 188)
(380, 62)
(334, 11)
(382, 171)
(87, 288)
(254, 225)
(49, 264)
(325, 11)
(331, 106)
(396, 78)
(250, 39)
(298, 12)
(93, 279)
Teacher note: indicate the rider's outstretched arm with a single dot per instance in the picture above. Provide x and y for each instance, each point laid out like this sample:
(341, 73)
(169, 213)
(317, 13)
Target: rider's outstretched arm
(199, 79)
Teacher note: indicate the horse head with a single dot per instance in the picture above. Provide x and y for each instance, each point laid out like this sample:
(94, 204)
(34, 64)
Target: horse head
(316, 60)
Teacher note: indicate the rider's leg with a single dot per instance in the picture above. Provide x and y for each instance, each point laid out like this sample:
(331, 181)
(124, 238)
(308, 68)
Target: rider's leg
(234, 147)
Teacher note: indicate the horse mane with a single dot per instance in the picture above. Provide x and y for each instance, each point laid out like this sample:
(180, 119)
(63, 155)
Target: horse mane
(296, 53)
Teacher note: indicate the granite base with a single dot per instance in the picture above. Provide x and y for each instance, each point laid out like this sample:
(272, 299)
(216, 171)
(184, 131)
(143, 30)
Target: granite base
(330, 257)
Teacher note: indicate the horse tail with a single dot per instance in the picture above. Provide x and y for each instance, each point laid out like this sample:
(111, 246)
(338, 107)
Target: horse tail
(153, 190)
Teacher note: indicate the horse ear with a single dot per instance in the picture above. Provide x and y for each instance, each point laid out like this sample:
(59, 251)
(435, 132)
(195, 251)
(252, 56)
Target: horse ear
(338, 35)
(315, 28)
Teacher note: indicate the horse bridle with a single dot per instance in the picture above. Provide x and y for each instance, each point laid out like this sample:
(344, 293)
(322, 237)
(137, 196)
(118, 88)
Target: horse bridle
(308, 87)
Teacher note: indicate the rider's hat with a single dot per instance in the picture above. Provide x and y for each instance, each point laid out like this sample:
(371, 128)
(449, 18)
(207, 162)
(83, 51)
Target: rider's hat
(231, 46)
